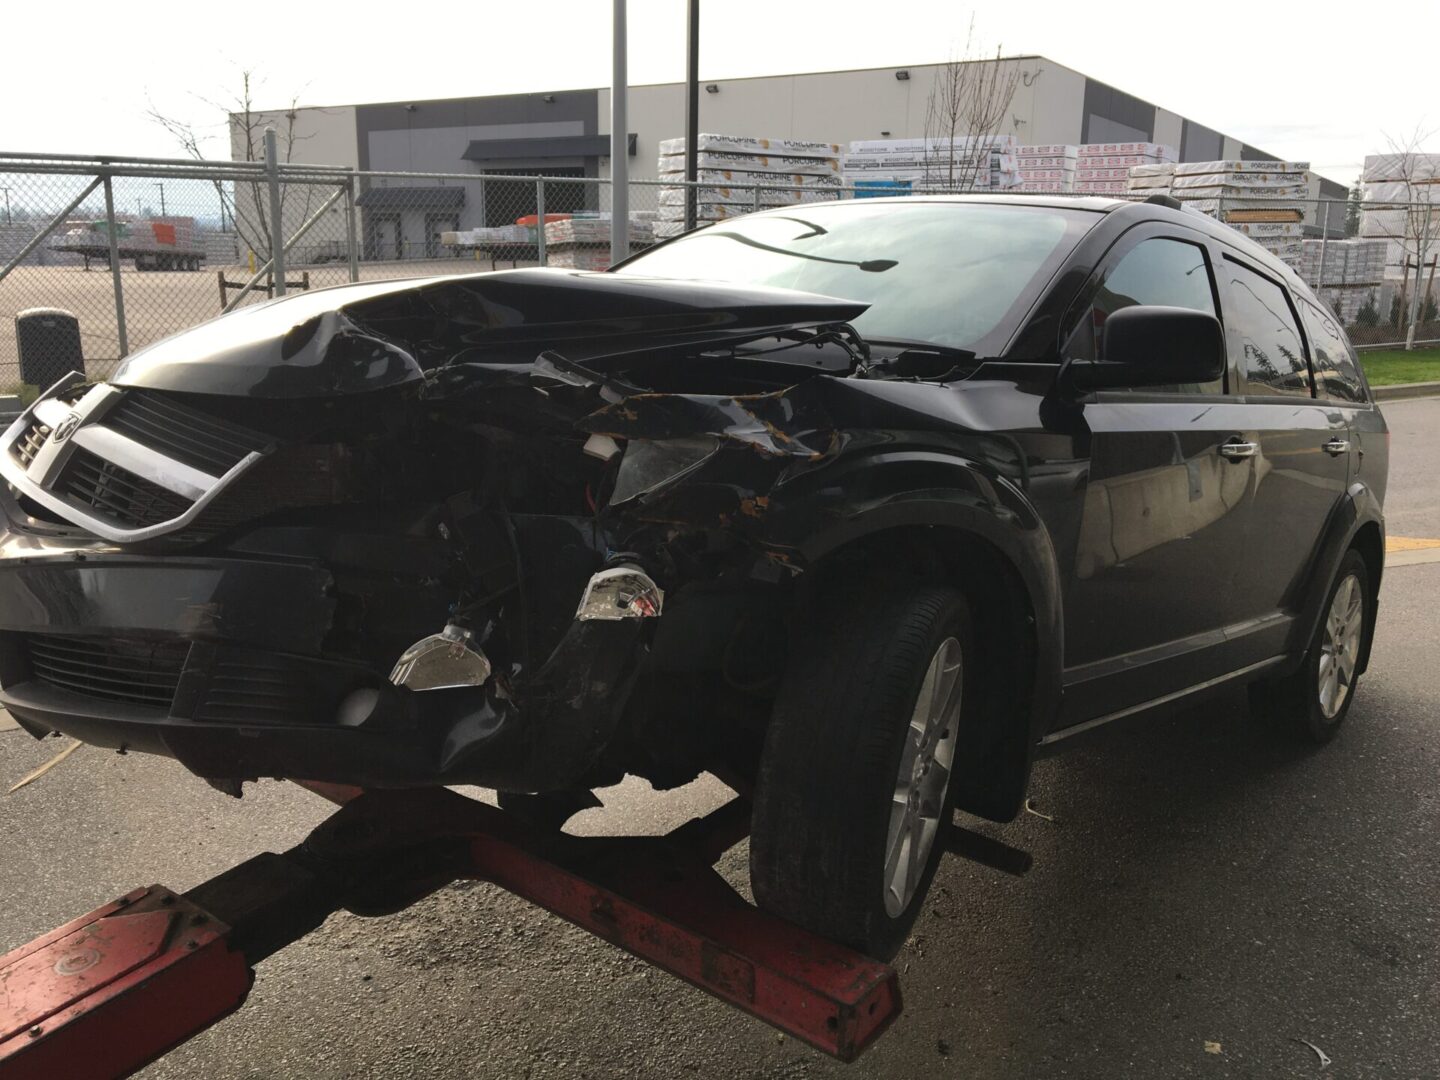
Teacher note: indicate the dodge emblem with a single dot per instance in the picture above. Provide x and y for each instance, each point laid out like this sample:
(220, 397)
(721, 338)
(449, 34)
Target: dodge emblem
(66, 428)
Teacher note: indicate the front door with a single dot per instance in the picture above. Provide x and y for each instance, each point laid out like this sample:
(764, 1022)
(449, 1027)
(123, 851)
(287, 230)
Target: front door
(1152, 592)
(387, 236)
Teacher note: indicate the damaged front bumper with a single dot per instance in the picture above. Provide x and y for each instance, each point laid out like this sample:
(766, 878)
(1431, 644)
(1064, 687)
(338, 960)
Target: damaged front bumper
(220, 663)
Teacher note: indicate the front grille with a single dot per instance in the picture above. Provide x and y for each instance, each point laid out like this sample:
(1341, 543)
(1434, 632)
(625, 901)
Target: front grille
(185, 434)
(249, 687)
(114, 669)
(117, 493)
(28, 445)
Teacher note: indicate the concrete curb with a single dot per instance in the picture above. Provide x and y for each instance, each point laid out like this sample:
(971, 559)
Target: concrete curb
(1400, 391)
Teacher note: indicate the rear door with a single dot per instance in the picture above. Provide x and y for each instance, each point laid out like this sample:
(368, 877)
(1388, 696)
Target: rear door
(1299, 445)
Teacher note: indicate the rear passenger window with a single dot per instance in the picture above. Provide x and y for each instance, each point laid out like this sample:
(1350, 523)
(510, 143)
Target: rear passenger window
(1336, 375)
(1263, 330)
(1170, 273)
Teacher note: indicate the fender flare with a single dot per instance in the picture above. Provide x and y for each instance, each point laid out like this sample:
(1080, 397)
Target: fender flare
(957, 494)
(1355, 510)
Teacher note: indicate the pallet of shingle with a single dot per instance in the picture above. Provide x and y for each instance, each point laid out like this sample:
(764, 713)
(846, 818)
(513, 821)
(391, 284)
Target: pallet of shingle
(749, 144)
(1189, 168)
(1051, 162)
(1257, 229)
(1287, 193)
(1382, 167)
(1061, 150)
(1243, 181)
(593, 231)
(1153, 151)
(760, 163)
(957, 144)
(733, 196)
(731, 177)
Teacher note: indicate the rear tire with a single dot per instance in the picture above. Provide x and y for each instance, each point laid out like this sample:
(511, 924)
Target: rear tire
(855, 792)
(1313, 701)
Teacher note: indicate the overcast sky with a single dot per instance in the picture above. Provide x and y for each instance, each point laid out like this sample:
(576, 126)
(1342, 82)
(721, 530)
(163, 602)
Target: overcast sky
(1314, 80)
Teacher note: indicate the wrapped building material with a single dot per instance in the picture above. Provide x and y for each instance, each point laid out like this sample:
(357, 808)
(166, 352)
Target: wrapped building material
(766, 164)
(747, 144)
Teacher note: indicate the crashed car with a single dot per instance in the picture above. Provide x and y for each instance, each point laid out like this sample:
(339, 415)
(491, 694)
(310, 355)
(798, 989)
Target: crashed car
(859, 506)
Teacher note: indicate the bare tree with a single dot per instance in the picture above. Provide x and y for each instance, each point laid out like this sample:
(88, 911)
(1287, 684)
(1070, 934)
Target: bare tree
(246, 204)
(969, 102)
(1418, 175)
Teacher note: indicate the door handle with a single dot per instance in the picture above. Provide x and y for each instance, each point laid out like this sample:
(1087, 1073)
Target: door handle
(1237, 450)
(1336, 447)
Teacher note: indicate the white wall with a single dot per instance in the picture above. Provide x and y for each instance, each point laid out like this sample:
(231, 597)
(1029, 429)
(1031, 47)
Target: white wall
(841, 106)
(321, 136)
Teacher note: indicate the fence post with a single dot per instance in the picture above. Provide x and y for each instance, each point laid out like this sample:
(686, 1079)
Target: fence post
(120, 330)
(351, 233)
(540, 220)
(277, 227)
(1324, 241)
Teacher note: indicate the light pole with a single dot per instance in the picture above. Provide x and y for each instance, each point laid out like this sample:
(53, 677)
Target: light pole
(619, 139)
(162, 197)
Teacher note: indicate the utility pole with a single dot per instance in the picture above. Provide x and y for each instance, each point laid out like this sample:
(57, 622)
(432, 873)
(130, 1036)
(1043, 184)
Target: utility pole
(619, 142)
(162, 197)
(7, 205)
(692, 107)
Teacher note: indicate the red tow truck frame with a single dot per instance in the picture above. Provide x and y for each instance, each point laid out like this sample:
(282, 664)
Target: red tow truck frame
(110, 992)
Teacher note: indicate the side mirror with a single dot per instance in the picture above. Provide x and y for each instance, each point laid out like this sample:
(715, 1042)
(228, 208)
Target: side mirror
(1154, 346)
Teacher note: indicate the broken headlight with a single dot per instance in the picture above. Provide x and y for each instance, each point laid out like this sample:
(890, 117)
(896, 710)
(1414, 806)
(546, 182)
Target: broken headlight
(652, 464)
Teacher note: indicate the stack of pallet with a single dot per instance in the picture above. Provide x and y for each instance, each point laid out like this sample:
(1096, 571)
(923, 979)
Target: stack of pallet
(1353, 273)
(1265, 200)
(961, 163)
(1104, 168)
(1400, 205)
(1047, 168)
(582, 241)
(1152, 178)
(737, 174)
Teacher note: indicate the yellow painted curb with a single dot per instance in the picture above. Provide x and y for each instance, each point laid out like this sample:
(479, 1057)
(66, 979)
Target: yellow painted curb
(1409, 543)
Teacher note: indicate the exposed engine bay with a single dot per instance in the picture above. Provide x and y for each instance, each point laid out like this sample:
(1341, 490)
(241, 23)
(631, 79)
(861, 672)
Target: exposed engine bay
(531, 529)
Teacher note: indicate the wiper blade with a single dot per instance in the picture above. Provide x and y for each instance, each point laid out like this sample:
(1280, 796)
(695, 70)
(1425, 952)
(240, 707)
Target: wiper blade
(912, 345)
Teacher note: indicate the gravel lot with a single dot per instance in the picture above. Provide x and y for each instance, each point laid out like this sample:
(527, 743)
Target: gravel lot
(1206, 896)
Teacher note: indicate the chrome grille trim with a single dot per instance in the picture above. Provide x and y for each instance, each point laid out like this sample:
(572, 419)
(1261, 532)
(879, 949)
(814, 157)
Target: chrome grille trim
(40, 477)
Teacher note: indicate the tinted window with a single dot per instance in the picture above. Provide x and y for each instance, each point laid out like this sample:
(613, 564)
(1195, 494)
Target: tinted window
(1336, 375)
(948, 273)
(1171, 273)
(1263, 330)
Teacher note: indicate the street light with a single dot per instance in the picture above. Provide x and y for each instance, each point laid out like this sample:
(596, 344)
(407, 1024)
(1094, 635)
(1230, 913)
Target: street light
(162, 197)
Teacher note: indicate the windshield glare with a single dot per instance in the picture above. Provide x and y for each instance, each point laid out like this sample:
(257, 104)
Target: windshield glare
(948, 273)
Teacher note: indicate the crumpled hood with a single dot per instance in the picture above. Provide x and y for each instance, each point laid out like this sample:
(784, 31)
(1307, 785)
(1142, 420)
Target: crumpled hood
(373, 335)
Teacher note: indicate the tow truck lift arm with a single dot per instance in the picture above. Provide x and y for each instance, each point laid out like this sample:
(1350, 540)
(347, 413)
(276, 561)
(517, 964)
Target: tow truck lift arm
(112, 991)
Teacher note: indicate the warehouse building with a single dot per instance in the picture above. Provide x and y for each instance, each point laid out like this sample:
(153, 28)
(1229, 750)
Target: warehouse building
(566, 134)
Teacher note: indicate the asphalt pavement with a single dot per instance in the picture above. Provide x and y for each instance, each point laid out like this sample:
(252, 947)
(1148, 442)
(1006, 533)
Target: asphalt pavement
(1208, 900)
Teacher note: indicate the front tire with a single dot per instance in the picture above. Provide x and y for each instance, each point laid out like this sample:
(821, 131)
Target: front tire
(1313, 701)
(855, 795)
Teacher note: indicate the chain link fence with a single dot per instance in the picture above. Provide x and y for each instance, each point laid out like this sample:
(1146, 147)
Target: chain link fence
(138, 249)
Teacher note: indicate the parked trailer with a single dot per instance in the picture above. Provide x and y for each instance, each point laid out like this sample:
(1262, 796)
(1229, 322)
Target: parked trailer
(154, 244)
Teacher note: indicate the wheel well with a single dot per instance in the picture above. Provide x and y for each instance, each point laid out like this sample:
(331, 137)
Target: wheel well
(996, 754)
(1367, 543)
(1370, 548)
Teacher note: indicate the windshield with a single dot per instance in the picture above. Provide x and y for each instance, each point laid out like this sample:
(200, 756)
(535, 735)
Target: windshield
(949, 273)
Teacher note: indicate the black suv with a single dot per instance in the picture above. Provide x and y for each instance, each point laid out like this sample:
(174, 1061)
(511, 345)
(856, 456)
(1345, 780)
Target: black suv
(857, 505)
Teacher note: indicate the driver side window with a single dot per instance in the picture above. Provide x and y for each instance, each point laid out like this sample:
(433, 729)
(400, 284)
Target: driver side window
(1171, 273)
